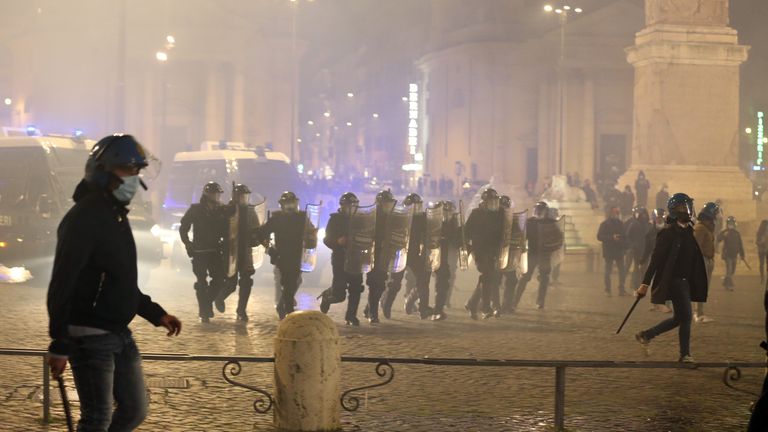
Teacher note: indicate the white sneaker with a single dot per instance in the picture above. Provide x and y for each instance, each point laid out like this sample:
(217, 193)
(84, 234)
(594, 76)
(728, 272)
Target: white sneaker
(704, 319)
(687, 359)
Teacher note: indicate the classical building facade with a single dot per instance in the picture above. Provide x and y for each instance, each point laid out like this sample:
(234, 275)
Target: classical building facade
(492, 95)
(92, 66)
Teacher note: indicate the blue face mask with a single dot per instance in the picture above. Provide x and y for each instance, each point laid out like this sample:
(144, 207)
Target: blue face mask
(127, 189)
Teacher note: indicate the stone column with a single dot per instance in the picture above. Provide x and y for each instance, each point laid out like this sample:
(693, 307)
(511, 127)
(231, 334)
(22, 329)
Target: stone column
(686, 106)
(307, 373)
(587, 169)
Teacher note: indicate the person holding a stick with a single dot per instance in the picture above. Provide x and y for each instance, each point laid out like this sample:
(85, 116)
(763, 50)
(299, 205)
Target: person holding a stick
(94, 295)
(676, 272)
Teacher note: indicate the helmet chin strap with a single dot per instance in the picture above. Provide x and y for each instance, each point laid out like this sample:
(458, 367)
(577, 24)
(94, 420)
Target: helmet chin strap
(143, 185)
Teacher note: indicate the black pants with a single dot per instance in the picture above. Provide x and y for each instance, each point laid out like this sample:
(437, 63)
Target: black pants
(442, 287)
(488, 282)
(243, 278)
(421, 292)
(759, 420)
(730, 270)
(619, 260)
(344, 284)
(510, 291)
(762, 256)
(542, 261)
(290, 279)
(680, 294)
(377, 284)
(204, 266)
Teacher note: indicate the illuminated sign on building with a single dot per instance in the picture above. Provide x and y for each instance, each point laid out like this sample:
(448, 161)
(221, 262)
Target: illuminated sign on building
(413, 129)
(760, 138)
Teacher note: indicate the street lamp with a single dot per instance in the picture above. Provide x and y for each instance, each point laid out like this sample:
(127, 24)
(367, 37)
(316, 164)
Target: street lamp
(7, 101)
(562, 12)
(161, 56)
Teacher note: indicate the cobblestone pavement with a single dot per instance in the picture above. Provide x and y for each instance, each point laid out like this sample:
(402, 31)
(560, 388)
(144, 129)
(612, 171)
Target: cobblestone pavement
(578, 324)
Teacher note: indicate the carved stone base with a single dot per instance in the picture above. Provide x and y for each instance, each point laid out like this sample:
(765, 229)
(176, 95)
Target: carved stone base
(702, 183)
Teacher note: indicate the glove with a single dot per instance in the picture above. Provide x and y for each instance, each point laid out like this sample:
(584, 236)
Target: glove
(273, 255)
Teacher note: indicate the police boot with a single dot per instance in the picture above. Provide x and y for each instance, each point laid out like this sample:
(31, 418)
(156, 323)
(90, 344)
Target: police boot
(325, 302)
(353, 302)
(205, 310)
(410, 303)
(387, 300)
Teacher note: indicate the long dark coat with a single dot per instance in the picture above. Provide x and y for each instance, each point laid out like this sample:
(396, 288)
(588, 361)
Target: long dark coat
(663, 260)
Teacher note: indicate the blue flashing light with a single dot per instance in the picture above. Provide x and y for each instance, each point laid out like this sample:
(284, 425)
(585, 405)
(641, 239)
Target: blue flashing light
(32, 131)
(300, 168)
(78, 133)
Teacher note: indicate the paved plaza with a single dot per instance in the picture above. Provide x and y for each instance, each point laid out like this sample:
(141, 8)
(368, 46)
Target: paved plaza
(578, 324)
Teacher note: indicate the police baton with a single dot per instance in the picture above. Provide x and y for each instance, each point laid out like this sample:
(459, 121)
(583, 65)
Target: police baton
(746, 264)
(626, 318)
(65, 403)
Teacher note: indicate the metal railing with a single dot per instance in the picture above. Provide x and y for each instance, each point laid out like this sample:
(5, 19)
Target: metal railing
(385, 370)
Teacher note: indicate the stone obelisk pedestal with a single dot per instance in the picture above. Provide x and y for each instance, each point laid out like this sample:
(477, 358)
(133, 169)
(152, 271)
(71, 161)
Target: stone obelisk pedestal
(686, 111)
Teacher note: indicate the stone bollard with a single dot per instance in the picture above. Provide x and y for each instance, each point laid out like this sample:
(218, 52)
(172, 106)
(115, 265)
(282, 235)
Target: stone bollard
(307, 373)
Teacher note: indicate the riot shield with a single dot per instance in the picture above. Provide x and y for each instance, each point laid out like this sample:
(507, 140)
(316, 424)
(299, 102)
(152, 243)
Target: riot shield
(362, 230)
(309, 252)
(257, 215)
(505, 239)
(518, 236)
(434, 228)
(463, 250)
(231, 247)
(559, 254)
(397, 235)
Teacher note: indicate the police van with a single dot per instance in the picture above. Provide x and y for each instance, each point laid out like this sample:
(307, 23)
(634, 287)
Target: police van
(267, 173)
(38, 175)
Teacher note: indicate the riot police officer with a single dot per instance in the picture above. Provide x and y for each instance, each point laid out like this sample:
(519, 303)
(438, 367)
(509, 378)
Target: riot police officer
(247, 227)
(336, 237)
(484, 231)
(376, 279)
(509, 277)
(416, 263)
(208, 223)
(449, 248)
(288, 226)
(544, 238)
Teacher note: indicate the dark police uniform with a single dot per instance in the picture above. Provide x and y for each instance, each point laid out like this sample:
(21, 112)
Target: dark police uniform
(208, 228)
(247, 233)
(343, 283)
(288, 228)
(376, 279)
(417, 264)
(483, 229)
(449, 245)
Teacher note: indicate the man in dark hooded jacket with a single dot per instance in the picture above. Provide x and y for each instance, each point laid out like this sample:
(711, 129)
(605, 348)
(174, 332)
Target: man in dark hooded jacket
(733, 249)
(93, 294)
(678, 273)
